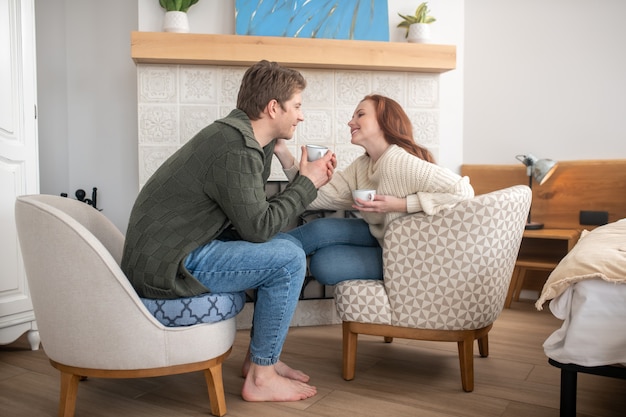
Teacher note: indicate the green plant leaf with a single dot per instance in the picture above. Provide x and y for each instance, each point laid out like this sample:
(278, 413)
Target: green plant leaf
(169, 5)
(177, 5)
(408, 18)
(421, 16)
(187, 4)
(421, 9)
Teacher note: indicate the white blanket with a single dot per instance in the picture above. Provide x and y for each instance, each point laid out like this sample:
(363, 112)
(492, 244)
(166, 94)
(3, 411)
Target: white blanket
(594, 324)
(588, 294)
(599, 254)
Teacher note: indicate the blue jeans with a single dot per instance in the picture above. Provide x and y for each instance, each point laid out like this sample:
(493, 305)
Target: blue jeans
(340, 249)
(275, 268)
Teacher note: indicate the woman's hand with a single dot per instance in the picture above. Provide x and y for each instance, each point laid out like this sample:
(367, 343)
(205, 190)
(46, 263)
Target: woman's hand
(283, 154)
(382, 204)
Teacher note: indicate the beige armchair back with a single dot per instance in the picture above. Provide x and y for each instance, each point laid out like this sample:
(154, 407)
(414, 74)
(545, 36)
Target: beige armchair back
(91, 321)
(446, 277)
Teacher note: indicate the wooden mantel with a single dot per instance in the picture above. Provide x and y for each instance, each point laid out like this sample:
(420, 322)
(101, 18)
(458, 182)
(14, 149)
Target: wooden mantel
(191, 48)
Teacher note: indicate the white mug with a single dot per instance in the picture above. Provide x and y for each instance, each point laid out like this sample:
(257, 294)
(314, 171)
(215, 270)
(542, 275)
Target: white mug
(315, 152)
(367, 195)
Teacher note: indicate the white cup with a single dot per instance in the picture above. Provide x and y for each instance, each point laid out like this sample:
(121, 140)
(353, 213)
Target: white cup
(315, 152)
(367, 195)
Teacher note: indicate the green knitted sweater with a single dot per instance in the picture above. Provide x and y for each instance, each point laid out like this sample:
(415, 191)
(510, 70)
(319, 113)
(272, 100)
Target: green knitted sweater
(215, 181)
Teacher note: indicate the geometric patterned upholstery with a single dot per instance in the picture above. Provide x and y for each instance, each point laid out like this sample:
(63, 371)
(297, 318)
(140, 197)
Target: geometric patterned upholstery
(448, 271)
(203, 308)
(363, 301)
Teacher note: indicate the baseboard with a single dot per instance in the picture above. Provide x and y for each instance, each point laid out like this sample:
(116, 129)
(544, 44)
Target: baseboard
(308, 313)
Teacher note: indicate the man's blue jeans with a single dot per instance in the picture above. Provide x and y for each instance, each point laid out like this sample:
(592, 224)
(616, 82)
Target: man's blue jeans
(275, 268)
(340, 249)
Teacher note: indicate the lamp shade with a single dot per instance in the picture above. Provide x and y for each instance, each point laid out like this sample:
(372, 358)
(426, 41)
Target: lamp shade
(543, 169)
(540, 169)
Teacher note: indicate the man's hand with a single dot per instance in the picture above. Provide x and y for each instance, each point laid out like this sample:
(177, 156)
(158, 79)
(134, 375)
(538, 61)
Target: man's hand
(320, 171)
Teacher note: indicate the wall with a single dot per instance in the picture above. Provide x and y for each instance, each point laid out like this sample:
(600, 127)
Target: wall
(52, 96)
(544, 77)
(87, 101)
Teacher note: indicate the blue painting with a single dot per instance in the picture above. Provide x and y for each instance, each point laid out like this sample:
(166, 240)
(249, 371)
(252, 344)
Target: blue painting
(329, 19)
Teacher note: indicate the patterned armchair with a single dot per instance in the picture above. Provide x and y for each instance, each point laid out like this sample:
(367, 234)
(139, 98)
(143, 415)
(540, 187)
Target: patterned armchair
(446, 278)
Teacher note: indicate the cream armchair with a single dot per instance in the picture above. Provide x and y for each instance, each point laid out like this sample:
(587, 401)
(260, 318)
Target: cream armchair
(91, 320)
(446, 278)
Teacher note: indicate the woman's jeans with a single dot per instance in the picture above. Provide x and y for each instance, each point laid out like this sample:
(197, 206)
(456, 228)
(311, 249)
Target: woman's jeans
(340, 249)
(275, 268)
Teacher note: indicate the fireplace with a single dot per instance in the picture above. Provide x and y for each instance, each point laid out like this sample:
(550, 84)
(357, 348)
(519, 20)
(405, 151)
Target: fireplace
(186, 81)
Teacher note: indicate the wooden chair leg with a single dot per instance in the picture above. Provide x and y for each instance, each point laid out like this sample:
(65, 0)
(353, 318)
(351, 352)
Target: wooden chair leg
(519, 284)
(215, 384)
(349, 352)
(512, 286)
(483, 346)
(69, 391)
(466, 360)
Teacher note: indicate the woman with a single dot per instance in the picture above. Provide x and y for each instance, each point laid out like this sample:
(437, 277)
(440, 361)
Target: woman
(406, 180)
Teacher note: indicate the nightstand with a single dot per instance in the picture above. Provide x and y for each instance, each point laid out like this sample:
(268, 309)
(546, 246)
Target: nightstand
(540, 250)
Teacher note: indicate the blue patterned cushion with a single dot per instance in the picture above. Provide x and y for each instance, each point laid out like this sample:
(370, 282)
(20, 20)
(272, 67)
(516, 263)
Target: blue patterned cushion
(204, 308)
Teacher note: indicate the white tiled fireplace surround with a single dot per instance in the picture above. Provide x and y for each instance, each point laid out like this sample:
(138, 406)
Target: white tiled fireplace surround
(176, 100)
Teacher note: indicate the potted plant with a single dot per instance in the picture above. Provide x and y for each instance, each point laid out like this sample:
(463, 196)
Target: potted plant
(176, 15)
(418, 25)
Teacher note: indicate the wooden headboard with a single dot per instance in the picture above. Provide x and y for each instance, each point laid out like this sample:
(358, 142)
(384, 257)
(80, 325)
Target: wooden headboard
(594, 185)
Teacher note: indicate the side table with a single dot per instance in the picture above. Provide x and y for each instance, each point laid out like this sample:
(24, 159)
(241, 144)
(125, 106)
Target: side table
(540, 250)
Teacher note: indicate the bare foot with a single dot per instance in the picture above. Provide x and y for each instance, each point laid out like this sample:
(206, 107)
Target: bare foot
(281, 368)
(263, 383)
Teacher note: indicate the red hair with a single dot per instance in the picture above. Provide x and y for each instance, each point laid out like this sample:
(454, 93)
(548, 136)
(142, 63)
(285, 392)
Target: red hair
(397, 127)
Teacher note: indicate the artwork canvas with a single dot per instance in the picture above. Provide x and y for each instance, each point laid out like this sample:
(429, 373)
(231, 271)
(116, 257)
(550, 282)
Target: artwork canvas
(329, 19)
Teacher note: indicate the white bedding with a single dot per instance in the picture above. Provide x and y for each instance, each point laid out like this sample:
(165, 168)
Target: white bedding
(594, 324)
(599, 254)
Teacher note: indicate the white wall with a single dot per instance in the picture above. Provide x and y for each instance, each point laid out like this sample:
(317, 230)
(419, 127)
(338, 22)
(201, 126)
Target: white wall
(544, 77)
(87, 94)
(52, 96)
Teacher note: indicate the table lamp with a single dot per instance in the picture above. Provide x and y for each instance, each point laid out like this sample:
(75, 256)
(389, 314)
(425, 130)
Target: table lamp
(541, 169)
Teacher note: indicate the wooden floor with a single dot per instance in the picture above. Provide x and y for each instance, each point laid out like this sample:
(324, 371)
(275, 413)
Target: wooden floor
(405, 378)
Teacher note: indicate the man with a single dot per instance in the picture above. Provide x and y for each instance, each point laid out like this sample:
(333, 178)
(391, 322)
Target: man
(203, 223)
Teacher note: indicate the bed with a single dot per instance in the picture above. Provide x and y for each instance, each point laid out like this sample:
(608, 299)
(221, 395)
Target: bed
(586, 290)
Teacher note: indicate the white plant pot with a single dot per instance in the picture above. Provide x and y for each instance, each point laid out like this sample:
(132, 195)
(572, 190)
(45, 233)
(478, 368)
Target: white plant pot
(419, 33)
(176, 22)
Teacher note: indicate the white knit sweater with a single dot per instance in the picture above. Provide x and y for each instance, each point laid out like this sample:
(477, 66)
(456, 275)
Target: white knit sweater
(426, 186)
